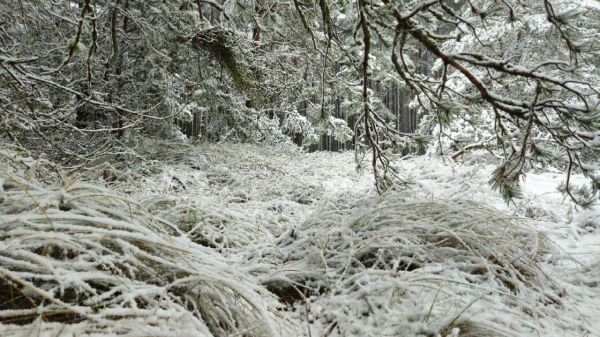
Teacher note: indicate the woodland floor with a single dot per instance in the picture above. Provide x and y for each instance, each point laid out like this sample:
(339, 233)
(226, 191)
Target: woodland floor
(279, 189)
(281, 217)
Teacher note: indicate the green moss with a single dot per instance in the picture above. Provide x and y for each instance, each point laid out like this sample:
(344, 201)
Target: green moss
(219, 44)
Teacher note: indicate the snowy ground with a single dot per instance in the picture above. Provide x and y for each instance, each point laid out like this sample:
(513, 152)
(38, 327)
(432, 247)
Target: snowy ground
(345, 262)
(277, 189)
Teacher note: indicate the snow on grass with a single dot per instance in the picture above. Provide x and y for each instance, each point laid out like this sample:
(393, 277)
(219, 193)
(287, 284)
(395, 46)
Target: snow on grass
(85, 256)
(393, 265)
(446, 257)
(570, 230)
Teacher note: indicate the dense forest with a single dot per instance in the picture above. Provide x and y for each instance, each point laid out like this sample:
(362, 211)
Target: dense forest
(299, 168)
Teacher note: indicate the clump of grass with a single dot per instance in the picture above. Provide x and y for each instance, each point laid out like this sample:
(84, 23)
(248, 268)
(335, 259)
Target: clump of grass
(424, 266)
(467, 328)
(210, 224)
(81, 259)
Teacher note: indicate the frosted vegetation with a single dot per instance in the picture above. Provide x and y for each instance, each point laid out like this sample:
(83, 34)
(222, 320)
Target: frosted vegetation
(324, 168)
(241, 240)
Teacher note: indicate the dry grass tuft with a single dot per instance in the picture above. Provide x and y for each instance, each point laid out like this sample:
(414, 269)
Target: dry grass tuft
(80, 259)
(419, 265)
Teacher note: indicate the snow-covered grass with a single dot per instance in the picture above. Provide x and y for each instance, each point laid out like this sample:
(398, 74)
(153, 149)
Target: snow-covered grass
(204, 240)
(82, 255)
(393, 265)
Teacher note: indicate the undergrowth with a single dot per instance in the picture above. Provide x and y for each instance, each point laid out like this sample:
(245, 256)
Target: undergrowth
(393, 265)
(225, 241)
(80, 259)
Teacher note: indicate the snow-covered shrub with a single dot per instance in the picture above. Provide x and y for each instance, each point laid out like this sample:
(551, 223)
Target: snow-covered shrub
(78, 259)
(296, 124)
(336, 127)
(397, 266)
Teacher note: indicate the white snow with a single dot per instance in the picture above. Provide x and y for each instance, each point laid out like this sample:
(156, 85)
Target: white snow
(309, 225)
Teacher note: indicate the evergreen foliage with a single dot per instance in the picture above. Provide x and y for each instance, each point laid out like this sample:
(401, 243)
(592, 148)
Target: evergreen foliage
(83, 79)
